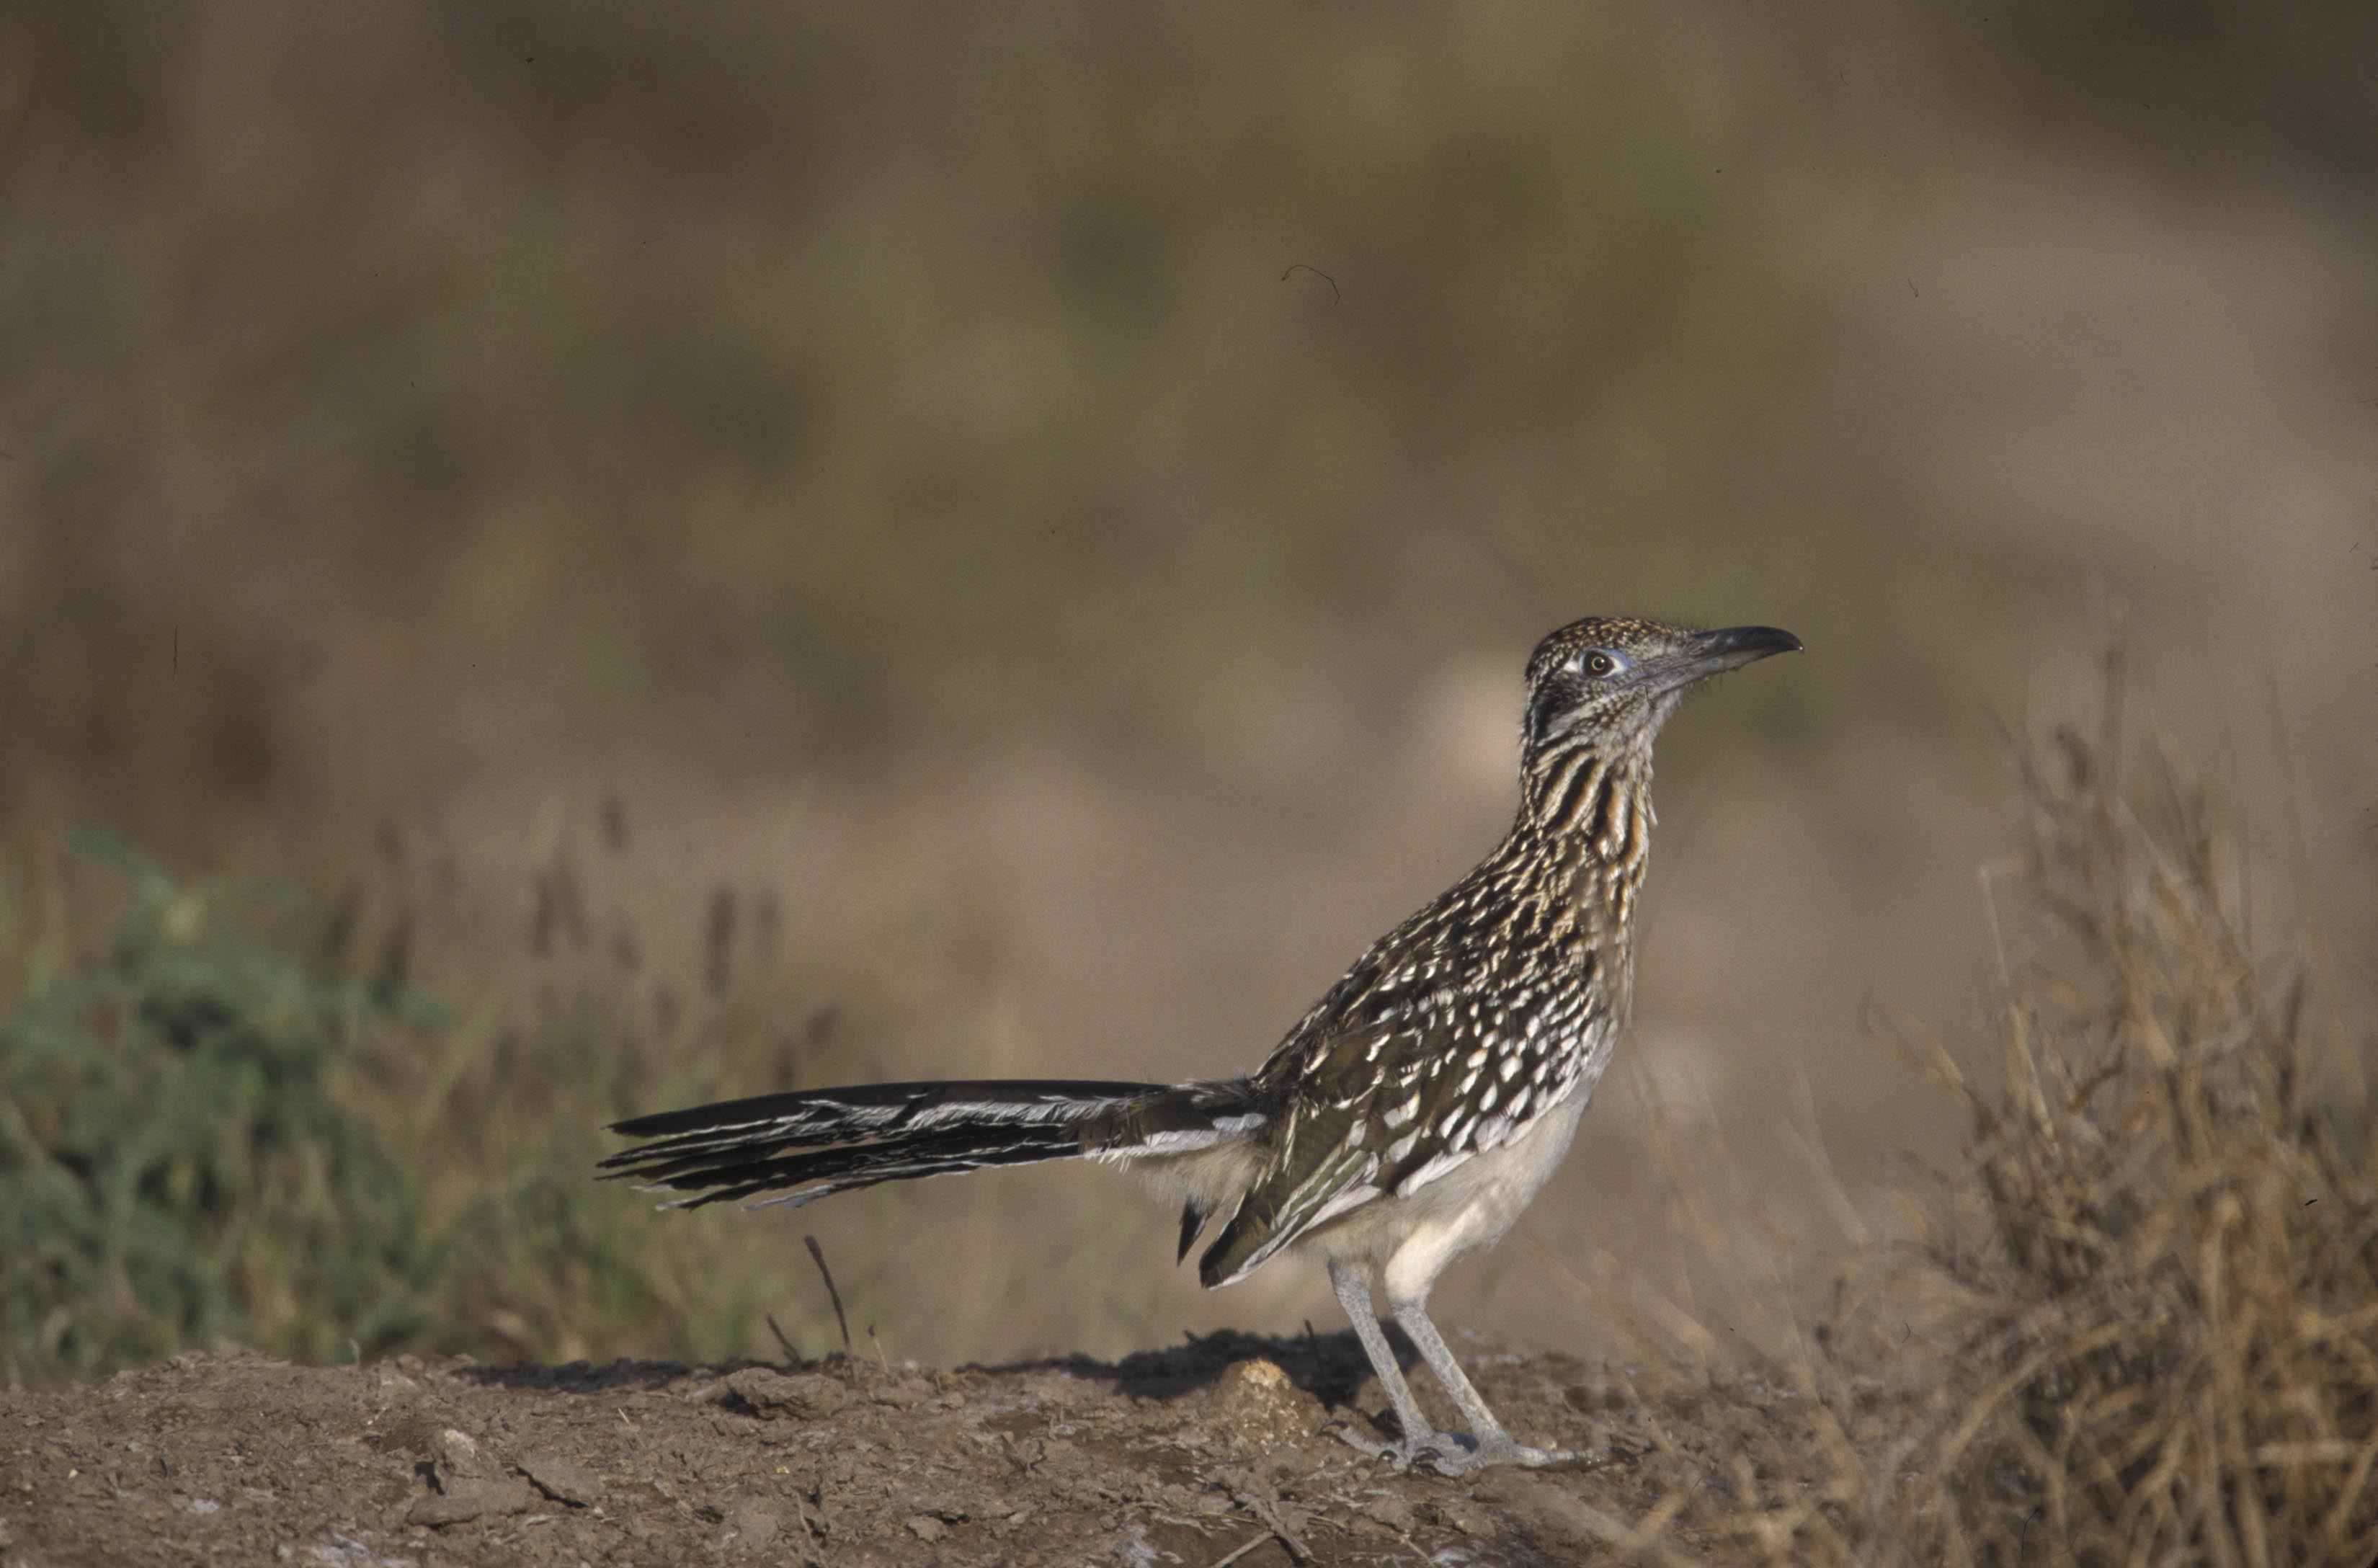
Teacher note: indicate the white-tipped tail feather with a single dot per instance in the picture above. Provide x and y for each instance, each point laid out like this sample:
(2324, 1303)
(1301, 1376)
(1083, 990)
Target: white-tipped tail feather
(795, 1148)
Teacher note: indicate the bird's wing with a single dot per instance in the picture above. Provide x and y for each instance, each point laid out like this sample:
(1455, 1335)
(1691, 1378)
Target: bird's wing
(1319, 1169)
(1376, 1028)
(1394, 1081)
(1371, 1045)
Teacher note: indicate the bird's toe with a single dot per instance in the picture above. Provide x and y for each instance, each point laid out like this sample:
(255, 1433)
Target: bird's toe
(1451, 1454)
(1509, 1453)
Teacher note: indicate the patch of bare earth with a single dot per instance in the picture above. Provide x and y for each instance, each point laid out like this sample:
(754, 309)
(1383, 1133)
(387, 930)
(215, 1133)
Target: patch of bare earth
(1215, 1452)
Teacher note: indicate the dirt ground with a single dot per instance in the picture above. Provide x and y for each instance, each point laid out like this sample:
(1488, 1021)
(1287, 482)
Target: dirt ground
(1216, 1452)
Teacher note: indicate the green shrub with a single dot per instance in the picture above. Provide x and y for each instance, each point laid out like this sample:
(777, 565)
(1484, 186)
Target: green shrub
(175, 1165)
(236, 1121)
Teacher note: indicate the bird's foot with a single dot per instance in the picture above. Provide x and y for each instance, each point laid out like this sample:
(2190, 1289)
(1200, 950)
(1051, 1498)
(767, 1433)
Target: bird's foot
(1453, 1453)
(1434, 1447)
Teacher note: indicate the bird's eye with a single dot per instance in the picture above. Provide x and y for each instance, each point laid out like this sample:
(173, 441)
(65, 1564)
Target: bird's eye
(1600, 663)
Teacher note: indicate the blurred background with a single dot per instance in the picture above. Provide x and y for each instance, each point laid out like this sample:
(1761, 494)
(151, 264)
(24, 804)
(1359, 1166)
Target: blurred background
(559, 559)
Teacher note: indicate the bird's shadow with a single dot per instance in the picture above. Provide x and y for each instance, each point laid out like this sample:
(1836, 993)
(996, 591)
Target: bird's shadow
(1331, 1367)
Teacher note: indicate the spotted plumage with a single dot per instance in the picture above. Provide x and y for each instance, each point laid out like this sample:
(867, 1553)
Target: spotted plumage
(1405, 1121)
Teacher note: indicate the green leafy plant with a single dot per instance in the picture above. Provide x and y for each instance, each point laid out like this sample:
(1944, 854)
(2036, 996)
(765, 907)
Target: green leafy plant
(176, 1164)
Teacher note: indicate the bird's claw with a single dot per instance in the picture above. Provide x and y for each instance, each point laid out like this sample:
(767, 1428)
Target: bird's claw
(1399, 1456)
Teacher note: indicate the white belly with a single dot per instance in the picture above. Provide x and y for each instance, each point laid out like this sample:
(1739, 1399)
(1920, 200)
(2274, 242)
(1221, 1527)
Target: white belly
(1412, 1239)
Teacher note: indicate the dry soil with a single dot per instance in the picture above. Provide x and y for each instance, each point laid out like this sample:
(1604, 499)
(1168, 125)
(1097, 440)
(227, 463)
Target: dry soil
(1215, 1452)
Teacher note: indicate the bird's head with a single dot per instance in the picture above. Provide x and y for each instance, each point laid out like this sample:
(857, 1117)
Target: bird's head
(1606, 685)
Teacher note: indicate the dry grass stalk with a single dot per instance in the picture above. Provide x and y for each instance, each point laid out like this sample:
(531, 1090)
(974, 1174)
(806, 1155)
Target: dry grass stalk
(2144, 1328)
(2166, 1349)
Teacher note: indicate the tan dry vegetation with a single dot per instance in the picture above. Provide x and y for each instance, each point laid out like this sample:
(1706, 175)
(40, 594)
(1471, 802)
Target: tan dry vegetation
(2169, 1335)
(2141, 1323)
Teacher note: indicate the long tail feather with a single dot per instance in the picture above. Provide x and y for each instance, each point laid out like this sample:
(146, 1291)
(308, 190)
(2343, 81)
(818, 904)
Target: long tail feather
(813, 1142)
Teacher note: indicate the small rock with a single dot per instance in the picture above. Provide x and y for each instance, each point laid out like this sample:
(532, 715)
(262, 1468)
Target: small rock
(925, 1527)
(456, 1455)
(754, 1524)
(1391, 1511)
(805, 1396)
(468, 1500)
(1469, 1521)
(1257, 1395)
(1257, 1371)
(905, 1394)
(561, 1480)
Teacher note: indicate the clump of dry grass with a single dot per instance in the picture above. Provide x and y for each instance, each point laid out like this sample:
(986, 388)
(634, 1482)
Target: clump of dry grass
(2154, 1312)
(2142, 1326)
(591, 994)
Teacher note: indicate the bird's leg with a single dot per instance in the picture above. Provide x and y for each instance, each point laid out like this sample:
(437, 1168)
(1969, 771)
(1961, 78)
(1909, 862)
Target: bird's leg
(1494, 1445)
(1351, 1282)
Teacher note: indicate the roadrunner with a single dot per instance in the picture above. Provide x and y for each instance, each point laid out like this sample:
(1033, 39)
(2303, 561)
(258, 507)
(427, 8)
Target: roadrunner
(1405, 1122)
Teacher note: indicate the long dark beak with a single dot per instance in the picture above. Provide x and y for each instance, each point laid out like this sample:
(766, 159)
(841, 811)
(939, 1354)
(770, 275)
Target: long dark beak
(1715, 653)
